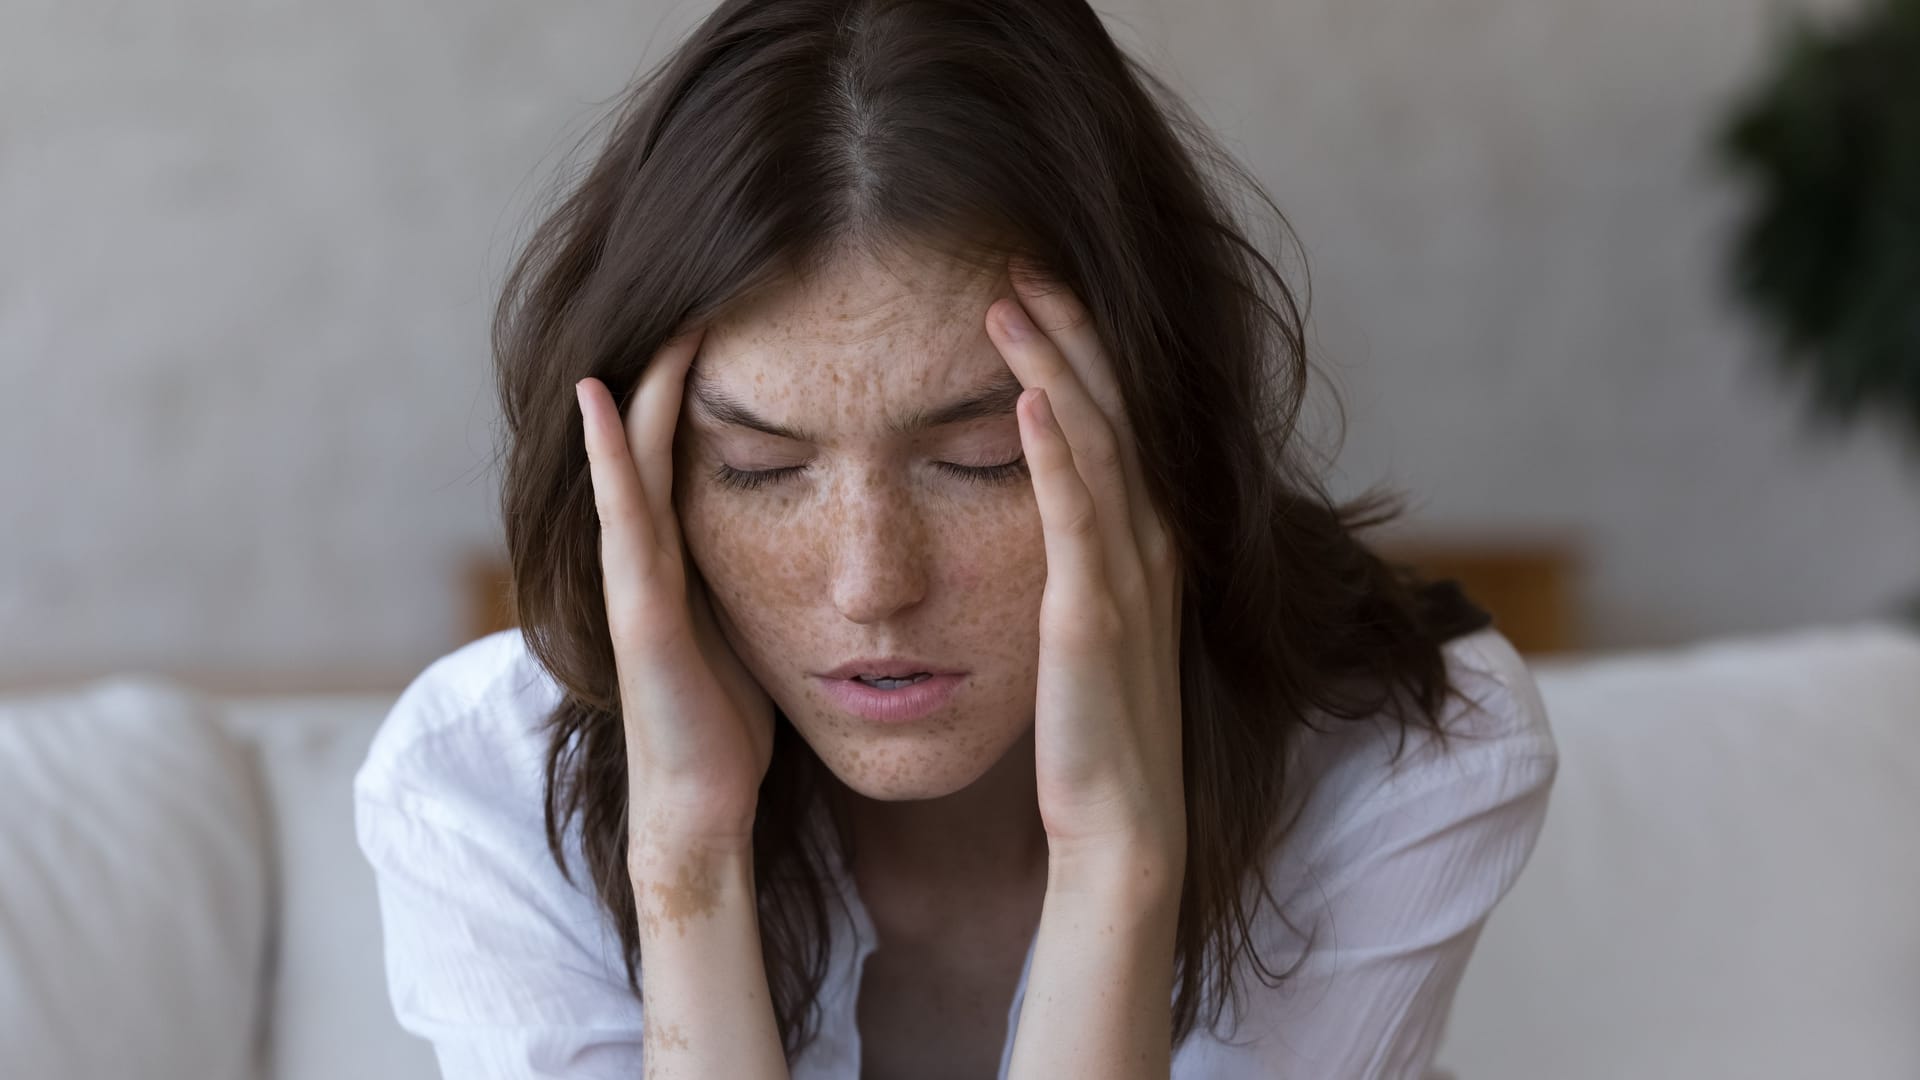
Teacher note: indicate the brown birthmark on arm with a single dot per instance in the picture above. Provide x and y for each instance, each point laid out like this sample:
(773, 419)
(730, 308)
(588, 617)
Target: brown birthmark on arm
(693, 892)
(657, 1040)
(694, 889)
(658, 1036)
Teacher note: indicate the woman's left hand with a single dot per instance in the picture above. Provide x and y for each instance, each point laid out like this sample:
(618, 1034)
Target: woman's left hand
(1107, 710)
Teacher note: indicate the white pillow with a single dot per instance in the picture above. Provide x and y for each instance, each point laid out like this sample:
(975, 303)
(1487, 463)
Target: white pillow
(1726, 884)
(133, 890)
(331, 1016)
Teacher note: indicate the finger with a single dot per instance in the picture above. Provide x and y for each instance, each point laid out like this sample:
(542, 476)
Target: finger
(1060, 315)
(651, 418)
(1065, 321)
(1083, 428)
(1069, 521)
(627, 545)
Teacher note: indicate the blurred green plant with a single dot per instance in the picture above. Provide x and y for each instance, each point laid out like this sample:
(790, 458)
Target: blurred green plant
(1829, 253)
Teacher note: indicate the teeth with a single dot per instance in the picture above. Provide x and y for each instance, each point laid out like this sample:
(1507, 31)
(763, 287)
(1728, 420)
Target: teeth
(881, 683)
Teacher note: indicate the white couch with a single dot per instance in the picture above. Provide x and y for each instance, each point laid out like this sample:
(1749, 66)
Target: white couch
(1728, 884)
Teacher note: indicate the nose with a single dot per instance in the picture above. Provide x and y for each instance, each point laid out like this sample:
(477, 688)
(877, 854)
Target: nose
(879, 555)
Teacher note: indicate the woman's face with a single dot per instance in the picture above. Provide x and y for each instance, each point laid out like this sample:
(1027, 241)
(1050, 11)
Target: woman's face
(872, 545)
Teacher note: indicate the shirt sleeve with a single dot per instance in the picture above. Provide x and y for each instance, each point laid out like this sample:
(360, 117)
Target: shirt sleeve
(491, 955)
(1397, 896)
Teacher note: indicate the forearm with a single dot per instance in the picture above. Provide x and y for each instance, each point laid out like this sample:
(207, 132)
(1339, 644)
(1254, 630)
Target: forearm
(1099, 993)
(706, 1009)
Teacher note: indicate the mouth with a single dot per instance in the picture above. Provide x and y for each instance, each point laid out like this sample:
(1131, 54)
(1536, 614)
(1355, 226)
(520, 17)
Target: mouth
(892, 699)
(889, 670)
(882, 683)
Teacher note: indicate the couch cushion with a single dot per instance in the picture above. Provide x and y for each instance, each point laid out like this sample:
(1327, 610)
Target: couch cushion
(1728, 882)
(331, 1015)
(133, 894)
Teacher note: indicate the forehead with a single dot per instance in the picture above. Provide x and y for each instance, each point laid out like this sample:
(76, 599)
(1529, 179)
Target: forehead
(862, 315)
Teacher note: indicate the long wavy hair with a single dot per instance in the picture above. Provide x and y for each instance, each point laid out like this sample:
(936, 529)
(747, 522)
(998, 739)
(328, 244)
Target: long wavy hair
(782, 131)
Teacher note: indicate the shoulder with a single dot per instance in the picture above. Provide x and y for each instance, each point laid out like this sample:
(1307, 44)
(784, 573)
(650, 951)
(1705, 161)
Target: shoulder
(1383, 881)
(487, 674)
(466, 738)
(1499, 747)
(1503, 702)
(505, 963)
(1493, 713)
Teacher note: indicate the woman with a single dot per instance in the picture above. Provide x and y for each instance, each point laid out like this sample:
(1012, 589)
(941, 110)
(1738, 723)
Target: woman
(937, 655)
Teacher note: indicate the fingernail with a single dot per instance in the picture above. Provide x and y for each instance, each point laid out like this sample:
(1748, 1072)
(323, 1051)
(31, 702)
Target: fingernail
(1044, 409)
(1013, 321)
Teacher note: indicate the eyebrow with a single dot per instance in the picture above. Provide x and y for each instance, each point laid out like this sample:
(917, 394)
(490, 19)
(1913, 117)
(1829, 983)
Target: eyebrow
(995, 399)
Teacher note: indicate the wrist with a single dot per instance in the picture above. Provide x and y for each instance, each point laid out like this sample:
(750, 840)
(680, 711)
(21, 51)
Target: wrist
(1139, 876)
(679, 882)
(657, 819)
(658, 838)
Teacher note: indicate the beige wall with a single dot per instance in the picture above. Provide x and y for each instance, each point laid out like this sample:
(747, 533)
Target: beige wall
(248, 253)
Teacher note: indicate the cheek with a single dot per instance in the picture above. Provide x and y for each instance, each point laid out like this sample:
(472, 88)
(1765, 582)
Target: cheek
(771, 562)
(764, 549)
(768, 562)
(997, 557)
(996, 575)
(742, 544)
(761, 576)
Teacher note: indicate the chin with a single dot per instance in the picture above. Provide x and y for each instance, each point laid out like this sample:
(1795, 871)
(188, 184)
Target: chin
(890, 785)
(904, 768)
(900, 774)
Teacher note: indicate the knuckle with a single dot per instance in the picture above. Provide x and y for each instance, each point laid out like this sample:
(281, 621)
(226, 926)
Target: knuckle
(1082, 521)
(1157, 552)
(1104, 622)
(1130, 589)
(1102, 450)
(618, 518)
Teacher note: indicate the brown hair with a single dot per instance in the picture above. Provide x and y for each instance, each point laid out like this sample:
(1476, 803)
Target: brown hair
(783, 131)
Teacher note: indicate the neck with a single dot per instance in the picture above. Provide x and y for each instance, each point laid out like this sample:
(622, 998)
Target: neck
(985, 838)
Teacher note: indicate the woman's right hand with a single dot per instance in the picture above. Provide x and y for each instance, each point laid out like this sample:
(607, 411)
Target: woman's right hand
(699, 728)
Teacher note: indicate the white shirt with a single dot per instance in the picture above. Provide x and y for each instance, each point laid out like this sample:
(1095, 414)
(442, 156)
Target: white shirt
(510, 971)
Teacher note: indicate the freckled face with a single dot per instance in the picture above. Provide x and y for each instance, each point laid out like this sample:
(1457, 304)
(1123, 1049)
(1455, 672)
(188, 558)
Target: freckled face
(873, 542)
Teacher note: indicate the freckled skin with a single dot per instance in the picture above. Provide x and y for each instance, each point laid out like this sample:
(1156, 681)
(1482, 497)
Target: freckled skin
(872, 549)
(691, 893)
(657, 1040)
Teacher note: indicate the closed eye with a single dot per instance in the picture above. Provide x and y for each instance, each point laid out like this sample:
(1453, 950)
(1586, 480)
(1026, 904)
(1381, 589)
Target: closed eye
(747, 480)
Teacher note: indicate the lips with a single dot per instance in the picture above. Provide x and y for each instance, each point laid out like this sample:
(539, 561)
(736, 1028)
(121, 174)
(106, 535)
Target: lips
(889, 667)
(897, 706)
(884, 682)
